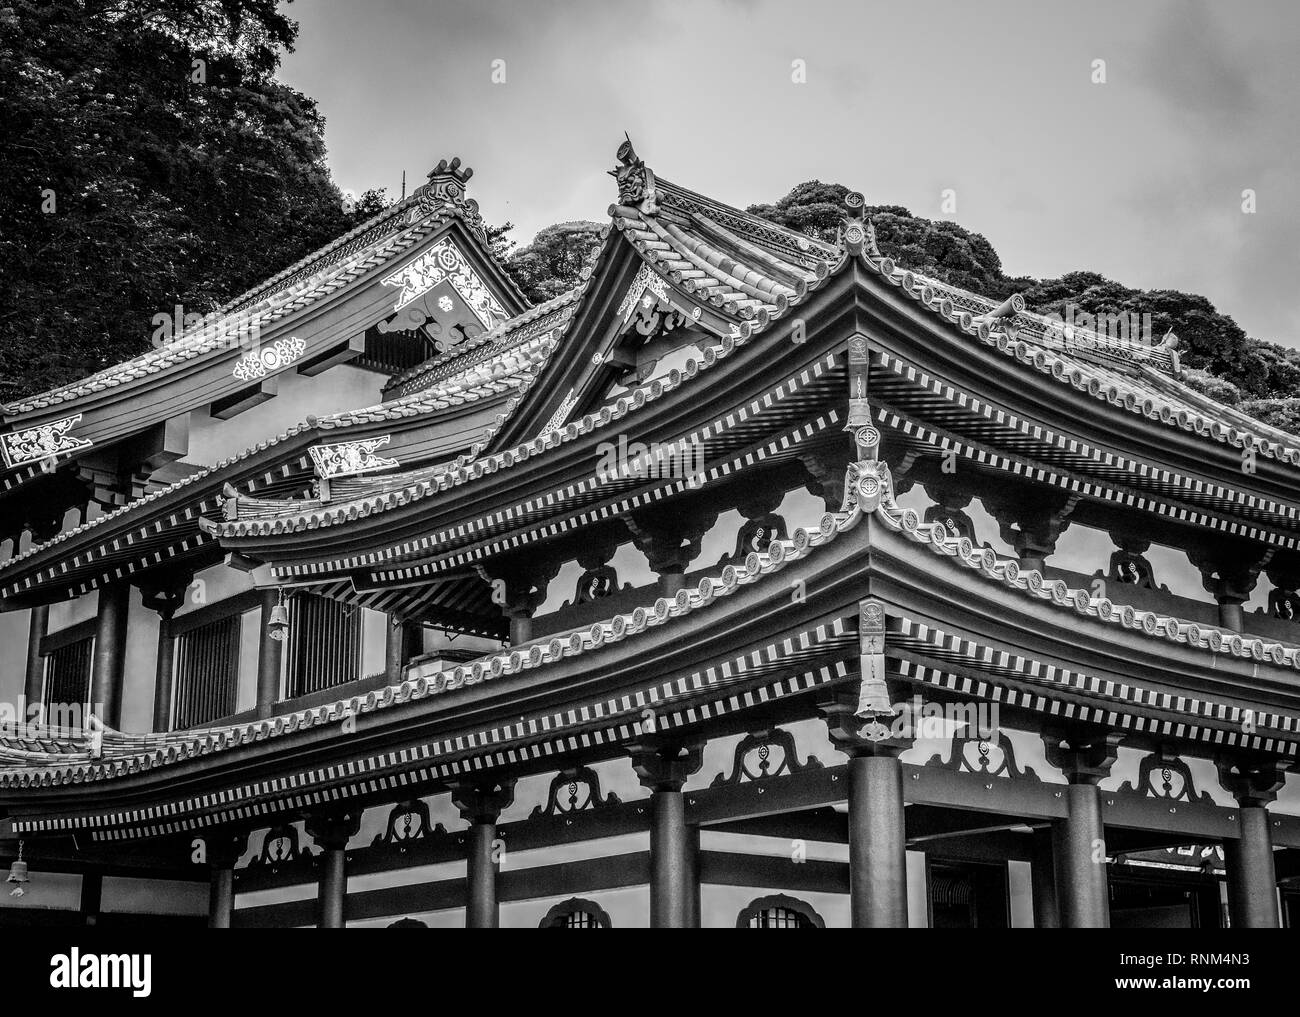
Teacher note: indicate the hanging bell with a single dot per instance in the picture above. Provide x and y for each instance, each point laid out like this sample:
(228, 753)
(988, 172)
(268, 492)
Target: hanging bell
(18, 872)
(278, 626)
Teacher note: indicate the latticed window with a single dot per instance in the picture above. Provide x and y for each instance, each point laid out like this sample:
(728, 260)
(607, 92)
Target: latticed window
(206, 672)
(67, 675)
(324, 644)
(778, 918)
(779, 912)
(576, 913)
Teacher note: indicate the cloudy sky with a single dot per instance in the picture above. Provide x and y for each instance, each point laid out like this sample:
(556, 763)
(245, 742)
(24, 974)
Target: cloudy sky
(1140, 178)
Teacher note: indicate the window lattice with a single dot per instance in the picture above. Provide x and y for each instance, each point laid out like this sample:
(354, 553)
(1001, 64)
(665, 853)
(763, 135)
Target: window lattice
(325, 644)
(206, 673)
(777, 918)
(67, 674)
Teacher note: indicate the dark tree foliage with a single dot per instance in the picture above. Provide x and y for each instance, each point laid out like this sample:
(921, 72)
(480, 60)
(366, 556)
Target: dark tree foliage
(553, 262)
(150, 159)
(937, 248)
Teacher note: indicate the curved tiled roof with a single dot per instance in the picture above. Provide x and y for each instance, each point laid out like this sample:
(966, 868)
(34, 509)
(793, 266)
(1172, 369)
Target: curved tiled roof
(786, 280)
(868, 491)
(397, 489)
(1145, 392)
(330, 268)
(478, 381)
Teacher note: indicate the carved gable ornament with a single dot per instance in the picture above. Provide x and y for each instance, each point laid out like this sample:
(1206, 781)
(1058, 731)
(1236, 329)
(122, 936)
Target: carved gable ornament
(45, 441)
(444, 262)
(350, 458)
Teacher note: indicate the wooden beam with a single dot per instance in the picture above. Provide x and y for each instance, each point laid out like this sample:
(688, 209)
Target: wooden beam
(340, 354)
(524, 835)
(245, 399)
(773, 872)
(565, 878)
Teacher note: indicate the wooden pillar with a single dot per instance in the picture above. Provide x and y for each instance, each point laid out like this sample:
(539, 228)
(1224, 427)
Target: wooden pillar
(521, 626)
(519, 588)
(481, 803)
(1231, 577)
(270, 653)
(162, 686)
(863, 723)
(405, 640)
(92, 892)
(331, 832)
(671, 540)
(877, 843)
(164, 596)
(1085, 756)
(1252, 880)
(674, 845)
(38, 625)
(223, 850)
(1079, 849)
(481, 908)
(1042, 872)
(110, 653)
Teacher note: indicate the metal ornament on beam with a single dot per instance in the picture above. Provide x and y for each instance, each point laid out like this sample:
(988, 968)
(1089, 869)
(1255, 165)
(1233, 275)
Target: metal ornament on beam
(873, 693)
(859, 365)
(41, 443)
(350, 458)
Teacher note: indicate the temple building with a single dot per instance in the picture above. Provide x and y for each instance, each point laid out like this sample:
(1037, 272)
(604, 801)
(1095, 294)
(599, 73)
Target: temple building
(757, 581)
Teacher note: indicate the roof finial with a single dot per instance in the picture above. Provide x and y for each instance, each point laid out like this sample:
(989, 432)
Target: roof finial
(447, 181)
(858, 235)
(636, 181)
(446, 186)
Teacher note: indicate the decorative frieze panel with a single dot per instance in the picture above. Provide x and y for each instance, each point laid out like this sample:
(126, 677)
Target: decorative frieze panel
(45, 441)
(647, 284)
(268, 359)
(993, 756)
(444, 262)
(1164, 776)
(281, 847)
(561, 413)
(408, 822)
(1283, 602)
(574, 790)
(757, 534)
(1128, 564)
(762, 754)
(596, 584)
(350, 458)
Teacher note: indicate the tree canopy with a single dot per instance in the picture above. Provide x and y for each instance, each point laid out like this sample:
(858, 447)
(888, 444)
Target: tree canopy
(553, 262)
(151, 159)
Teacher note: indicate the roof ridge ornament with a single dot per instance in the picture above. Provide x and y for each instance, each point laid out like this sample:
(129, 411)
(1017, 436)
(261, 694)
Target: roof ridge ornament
(1169, 344)
(446, 186)
(447, 182)
(858, 235)
(636, 180)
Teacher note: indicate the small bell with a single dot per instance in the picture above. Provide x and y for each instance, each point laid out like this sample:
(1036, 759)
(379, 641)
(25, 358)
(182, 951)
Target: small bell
(18, 873)
(278, 625)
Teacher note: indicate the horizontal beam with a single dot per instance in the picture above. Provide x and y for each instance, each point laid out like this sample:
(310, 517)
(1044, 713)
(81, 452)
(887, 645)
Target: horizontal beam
(340, 354)
(582, 876)
(438, 848)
